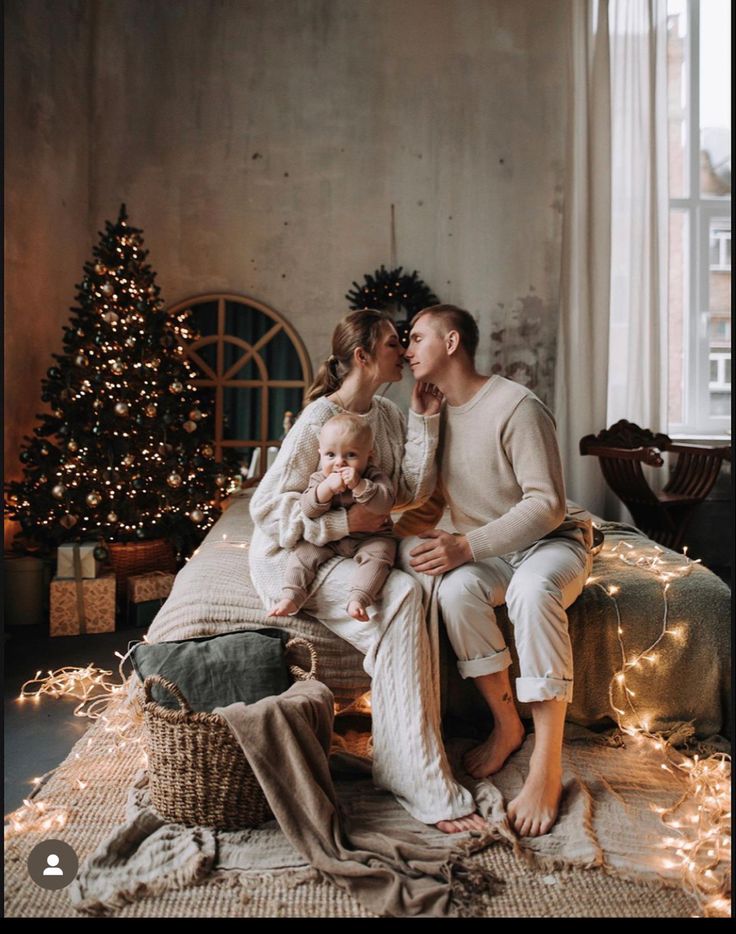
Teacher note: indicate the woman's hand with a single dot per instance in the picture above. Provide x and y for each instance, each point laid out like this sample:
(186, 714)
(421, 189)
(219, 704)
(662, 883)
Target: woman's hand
(361, 519)
(426, 399)
(441, 552)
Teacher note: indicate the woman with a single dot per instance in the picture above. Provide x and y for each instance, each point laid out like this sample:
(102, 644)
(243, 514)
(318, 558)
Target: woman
(408, 755)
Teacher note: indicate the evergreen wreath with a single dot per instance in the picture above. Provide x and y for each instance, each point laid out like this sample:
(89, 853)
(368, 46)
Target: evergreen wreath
(388, 289)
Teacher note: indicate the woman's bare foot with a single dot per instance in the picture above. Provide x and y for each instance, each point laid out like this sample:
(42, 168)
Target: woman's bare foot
(284, 607)
(357, 611)
(490, 756)
(534, 810)
(462, 824)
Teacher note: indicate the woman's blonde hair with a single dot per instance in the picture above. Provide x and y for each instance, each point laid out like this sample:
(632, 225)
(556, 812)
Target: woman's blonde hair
(359, 330)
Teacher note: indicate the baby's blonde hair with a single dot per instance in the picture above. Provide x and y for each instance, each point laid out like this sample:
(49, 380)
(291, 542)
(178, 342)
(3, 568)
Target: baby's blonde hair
(354, 427)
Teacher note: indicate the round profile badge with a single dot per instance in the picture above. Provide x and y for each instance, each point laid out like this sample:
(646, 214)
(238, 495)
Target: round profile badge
(52, 864)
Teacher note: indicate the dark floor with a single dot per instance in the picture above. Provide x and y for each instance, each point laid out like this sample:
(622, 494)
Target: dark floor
(40, 734)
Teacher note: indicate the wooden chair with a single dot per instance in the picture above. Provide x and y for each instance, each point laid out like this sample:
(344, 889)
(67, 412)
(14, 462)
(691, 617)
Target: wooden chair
(664, 517)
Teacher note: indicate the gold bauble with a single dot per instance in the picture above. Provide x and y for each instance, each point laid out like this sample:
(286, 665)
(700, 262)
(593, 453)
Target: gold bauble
(189, 426)
(196, 515)
(121, 409)
(195, 415)
(94, 498)
(59, 491)
(220, 479)
(117, 366)
(111, 317)
(72, 446)
(68, 521)
(129, 460)
(151, 410)
(176, 387)
(112, 517)
(174, 480)
(208, 450)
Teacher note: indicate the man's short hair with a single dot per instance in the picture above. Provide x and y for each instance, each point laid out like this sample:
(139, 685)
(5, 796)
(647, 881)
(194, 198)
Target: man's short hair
(454, 319)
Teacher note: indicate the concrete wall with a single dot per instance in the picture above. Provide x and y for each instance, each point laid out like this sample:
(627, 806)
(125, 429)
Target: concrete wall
(260, 144)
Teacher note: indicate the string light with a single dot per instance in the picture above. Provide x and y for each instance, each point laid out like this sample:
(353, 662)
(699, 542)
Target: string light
(701, 815)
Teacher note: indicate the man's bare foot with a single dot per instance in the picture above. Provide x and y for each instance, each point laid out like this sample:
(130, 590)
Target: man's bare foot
(357, 611)
(462, 824)
(534, 810)
(490, 756)
(284, 607)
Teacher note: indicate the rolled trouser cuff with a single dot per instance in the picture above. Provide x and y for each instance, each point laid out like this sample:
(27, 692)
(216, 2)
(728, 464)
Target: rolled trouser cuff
(490, 664)
(529, 690)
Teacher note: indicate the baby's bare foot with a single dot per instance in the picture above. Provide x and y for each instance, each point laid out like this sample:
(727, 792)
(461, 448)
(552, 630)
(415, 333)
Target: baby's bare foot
(462, 824)
(534, 810)
(357, 611)
(491, 755)
(284, 607)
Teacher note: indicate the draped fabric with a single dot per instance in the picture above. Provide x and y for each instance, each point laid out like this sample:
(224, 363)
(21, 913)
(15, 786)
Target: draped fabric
(612, 343)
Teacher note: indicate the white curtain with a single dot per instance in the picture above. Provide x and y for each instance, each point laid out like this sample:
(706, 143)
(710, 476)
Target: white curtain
(581, 374)
(611, 353)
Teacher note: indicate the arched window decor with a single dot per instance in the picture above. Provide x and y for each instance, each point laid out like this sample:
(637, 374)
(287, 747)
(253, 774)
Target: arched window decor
(253, 369)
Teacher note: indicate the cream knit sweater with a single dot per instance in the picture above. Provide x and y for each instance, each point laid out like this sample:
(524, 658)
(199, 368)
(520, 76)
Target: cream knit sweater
(406, 453)
(500, 471)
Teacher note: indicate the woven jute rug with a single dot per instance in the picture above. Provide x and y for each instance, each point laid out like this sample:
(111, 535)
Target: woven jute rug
(556, 876)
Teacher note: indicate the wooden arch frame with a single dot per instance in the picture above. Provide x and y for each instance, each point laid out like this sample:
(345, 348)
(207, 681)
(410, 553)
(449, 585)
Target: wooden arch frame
(220, 378)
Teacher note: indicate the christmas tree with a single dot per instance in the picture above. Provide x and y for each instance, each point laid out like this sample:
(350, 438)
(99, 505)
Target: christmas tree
(124, 454)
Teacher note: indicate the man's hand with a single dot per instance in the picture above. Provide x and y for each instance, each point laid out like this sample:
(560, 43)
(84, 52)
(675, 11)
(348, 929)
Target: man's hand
(426, 399)
(350, 477)
(441, 552)
(361, 519)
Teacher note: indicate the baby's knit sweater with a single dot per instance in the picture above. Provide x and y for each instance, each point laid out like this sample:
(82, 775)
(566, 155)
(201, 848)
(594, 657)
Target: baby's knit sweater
(500, 470)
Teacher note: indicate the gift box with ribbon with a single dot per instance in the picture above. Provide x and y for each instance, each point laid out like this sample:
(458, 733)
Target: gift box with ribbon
(154, 585)
(84, 605)
(83, 552)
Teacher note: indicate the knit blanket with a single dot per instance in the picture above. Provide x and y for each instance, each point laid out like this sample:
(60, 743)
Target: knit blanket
(686, 677)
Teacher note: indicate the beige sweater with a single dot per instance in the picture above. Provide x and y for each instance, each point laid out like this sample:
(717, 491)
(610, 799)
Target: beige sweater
(403, 450)
(500, 472)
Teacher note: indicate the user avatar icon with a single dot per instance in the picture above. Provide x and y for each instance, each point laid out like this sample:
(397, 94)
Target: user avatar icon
(53, 866)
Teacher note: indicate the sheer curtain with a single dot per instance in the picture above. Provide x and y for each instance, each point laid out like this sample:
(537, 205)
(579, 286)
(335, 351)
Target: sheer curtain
(612, 350)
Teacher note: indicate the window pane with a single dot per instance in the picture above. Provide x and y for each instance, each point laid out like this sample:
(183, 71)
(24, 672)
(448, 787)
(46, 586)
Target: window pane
(719, 316)
(677, 65)
(715, 98)
(678, 291)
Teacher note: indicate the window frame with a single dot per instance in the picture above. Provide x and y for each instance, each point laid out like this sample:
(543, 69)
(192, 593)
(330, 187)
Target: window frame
(699, 210)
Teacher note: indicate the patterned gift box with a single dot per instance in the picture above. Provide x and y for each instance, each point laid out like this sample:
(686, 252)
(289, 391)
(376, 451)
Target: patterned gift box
(97, 596)
(154, 585)
(90, 566)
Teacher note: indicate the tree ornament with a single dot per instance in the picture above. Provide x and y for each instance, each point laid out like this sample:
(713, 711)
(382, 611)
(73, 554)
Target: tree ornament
(153, 362)
(140, 533)
(174, 480)
(195, 415)
(110, 317)
(43, 479)
(68, 521)
(58, 413)
(107, 288)
(97, 404)
(122, 409)
(58, 491)
(130, 342)
(81, 360)
(72, 446)
(128, 460)
(220, 480)
(53, 372)
(208, 450)
(176, 387)
(101, 553)
(26, 457)
(80, 332)
(45, 450)
(139, 483)
(151, 410)
(189, 426)
(112, 517)
(196, 515)
(117, 366)
(100, 269)
(93, 498)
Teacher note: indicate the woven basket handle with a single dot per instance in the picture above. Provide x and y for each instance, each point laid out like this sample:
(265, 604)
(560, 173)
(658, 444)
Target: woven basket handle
(299, 673)
(169, 686)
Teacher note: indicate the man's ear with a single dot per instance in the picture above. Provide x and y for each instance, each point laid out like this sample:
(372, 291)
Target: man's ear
(452, 342)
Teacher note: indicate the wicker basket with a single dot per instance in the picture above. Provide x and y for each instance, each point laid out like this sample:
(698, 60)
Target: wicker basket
(129, 558)
(198, 774)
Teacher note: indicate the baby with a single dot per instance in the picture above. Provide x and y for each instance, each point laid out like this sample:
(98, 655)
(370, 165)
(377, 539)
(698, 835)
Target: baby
(345, 477)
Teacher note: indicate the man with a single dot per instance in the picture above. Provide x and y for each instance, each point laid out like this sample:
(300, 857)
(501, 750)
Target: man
(501, 477)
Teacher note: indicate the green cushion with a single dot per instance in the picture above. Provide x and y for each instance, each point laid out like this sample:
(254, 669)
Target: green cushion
(217, 670)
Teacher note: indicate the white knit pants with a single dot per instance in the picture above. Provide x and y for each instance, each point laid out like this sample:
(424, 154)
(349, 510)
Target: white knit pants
(408, 754)
(537, 585)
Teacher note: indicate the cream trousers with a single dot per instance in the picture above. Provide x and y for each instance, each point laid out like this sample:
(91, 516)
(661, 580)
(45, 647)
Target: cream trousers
(409, 757)
(537, 585)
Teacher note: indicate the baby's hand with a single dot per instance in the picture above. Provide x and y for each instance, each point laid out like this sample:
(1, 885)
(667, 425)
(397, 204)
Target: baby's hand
(351, 477)
(336, 482)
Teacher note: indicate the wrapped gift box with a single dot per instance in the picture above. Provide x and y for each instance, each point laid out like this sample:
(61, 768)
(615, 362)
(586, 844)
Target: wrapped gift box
(154, 585)
(141, 615)
(90, 566)
(98, 601)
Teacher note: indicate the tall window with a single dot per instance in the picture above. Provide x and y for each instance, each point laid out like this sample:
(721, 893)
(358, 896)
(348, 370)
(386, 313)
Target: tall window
(699, 92)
